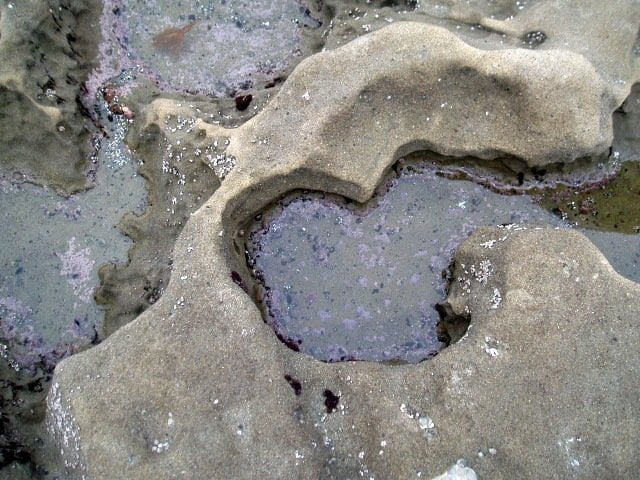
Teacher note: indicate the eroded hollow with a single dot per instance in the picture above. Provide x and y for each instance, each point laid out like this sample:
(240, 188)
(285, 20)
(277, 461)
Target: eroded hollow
(343, 281)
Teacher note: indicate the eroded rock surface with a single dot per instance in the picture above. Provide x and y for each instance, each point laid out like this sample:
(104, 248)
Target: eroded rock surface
(427, 89)
(543, 385)
(45, 55)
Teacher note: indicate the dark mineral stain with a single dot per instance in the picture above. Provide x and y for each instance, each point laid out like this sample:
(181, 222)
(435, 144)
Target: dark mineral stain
(275, 82)
(295, 384)
(243, 101)
(538, 173)
(292, 343)
(331, 401)
(237, 279)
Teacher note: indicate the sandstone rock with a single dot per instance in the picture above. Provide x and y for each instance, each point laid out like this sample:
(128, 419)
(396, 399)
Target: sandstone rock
(414, 86)
(543, 385)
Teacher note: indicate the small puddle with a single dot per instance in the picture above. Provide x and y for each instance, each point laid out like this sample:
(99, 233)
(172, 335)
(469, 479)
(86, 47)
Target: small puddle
(340, 281)
(52, 248)
(609, 205)
(215, 48)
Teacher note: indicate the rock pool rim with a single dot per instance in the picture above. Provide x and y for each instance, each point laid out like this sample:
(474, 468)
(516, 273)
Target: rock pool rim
(505, 176)
(449, 326)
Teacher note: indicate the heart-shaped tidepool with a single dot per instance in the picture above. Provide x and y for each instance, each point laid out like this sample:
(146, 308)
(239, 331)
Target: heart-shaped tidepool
(345, 282)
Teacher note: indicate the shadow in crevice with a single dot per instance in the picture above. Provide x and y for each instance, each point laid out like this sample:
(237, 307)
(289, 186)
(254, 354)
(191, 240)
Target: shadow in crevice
(452, 326)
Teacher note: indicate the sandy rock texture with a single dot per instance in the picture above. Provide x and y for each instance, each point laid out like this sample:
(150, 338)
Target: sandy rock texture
(543, 385)
(45, 56)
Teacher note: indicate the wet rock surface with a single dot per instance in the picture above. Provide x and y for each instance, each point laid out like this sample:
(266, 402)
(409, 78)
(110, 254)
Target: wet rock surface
(178, 182)
(45, 56)
(201, 372)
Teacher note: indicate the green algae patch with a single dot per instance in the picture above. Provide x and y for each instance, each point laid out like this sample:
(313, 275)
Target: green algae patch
(612, 205)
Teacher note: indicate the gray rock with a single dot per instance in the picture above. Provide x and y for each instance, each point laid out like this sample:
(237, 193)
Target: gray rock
(543, 384)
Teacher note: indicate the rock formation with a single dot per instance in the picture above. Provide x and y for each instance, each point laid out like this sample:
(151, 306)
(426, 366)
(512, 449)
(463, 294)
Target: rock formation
(543, 385)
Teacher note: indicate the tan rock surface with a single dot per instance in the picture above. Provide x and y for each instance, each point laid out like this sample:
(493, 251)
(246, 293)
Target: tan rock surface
(545, 383)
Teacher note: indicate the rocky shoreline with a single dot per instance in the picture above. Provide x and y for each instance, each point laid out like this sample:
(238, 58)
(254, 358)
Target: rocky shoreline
(190, 382)
(542, 385)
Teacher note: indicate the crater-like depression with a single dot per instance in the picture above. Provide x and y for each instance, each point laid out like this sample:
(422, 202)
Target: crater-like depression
(342, 281)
